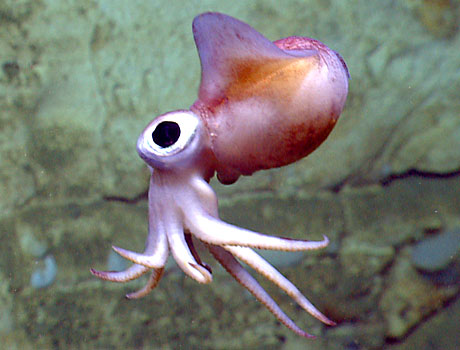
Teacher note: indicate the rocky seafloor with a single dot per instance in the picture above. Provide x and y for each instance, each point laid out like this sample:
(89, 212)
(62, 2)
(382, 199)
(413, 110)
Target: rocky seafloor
(79, 80)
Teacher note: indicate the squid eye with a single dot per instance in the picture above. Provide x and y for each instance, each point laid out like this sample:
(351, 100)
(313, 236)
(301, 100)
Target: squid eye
(166, 134)
(171, 140)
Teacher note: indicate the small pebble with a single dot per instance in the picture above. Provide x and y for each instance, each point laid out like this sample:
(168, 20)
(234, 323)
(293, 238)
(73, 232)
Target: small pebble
(45, 275)
(436, 253)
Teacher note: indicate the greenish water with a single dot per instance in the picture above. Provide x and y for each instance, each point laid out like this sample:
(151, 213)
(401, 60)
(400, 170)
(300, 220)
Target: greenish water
(80, 80)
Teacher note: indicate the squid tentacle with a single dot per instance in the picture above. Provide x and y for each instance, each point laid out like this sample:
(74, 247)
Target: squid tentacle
(263, 267)
(231, 235)
(131, 273)
(153, 281)
(184, 257)
(155, 261)
(234, 268)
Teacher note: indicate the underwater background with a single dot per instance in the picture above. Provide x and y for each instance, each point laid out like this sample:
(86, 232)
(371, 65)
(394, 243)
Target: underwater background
(79, 80)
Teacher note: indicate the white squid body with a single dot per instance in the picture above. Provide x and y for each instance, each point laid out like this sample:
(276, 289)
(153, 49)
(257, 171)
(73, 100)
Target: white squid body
(261, 105)
(264, 104)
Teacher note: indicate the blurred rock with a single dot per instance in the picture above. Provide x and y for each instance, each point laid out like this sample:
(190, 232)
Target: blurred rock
(437, 332)
(410, 297)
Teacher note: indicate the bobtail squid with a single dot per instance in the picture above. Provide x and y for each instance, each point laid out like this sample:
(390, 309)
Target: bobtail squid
(260, 105)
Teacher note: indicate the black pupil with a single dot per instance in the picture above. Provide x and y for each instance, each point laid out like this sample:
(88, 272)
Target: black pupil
(166, 134)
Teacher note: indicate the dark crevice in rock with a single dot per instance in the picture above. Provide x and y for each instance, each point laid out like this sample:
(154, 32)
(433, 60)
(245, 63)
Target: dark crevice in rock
(425, 319)
(133, 200)
(389, 179)
(418, 173)
(336, 188)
